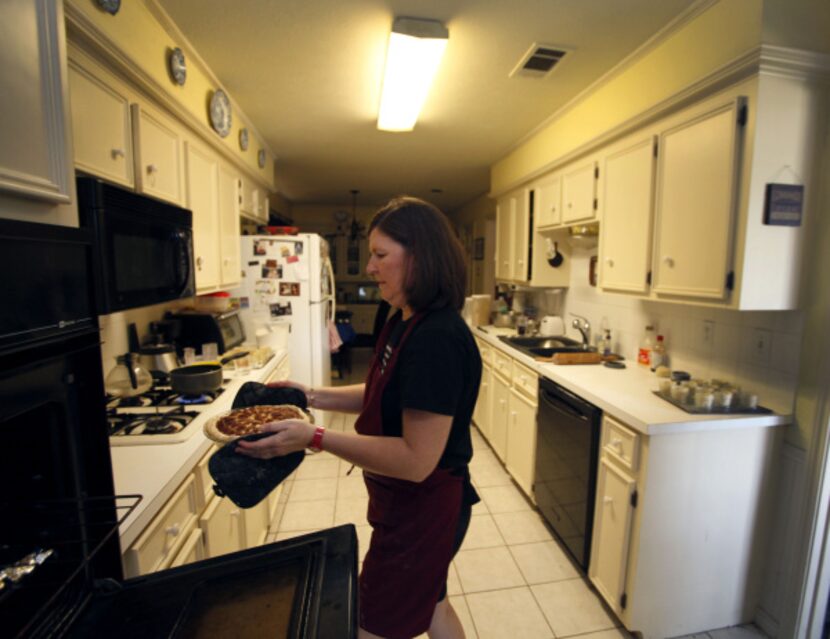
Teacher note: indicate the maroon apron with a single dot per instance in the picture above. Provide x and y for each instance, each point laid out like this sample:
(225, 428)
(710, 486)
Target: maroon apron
(413, 525)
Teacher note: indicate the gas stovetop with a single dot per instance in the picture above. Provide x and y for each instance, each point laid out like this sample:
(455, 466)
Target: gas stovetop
(159, 416)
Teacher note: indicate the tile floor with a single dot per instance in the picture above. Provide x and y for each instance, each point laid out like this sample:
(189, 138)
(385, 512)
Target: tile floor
(510, 578)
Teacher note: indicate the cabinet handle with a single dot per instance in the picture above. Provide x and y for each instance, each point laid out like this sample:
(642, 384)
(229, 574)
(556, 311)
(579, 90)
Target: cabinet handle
(152, 168)
(609, 261)
(616, 443)
(173, 530)
(607, 500)
(235, 513)
(668, 261)
(199, 263)
(117, 153)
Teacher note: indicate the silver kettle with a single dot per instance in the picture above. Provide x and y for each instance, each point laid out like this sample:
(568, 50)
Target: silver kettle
(156, 356)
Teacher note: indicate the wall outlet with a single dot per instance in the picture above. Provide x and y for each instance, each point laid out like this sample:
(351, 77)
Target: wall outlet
(760, 346)
(707, 333)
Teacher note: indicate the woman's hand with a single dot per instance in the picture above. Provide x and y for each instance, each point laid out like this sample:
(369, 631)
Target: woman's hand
(289, 435)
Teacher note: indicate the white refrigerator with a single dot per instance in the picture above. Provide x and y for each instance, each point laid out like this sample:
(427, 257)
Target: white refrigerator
(288, 289)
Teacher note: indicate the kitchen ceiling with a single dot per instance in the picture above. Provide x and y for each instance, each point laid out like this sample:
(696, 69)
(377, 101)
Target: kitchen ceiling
(308, 72)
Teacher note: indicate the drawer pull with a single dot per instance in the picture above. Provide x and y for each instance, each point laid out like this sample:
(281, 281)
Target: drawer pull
(152, 168)
(607, 500)
(117, 153)
(616, 443)
(173, 530)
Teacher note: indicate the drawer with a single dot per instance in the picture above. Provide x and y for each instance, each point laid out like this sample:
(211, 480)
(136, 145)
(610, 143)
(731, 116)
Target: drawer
(502, 364)
(192, 550)
(525, 380)
(281, 372)
(163, 538)
(486, 352)
(621, 443)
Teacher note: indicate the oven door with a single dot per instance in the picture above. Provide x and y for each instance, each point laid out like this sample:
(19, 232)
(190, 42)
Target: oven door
(304, 587)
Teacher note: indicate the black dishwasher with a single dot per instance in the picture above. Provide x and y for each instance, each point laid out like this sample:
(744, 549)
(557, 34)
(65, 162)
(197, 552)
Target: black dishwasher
(567, 445)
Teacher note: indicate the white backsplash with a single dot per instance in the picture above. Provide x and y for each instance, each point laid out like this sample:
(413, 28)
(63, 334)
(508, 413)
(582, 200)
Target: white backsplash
(730, 353)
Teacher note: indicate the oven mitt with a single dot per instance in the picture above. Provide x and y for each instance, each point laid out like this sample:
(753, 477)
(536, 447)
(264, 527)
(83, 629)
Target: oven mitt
(244, 480)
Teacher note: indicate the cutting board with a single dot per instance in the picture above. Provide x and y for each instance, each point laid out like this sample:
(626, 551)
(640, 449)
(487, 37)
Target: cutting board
(579, 358)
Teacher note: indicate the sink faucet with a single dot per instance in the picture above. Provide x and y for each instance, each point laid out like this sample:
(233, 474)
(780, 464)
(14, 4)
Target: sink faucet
(584, 327)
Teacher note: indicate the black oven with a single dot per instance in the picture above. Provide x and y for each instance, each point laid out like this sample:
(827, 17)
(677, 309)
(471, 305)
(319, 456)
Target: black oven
(143, 246)
(60, 560)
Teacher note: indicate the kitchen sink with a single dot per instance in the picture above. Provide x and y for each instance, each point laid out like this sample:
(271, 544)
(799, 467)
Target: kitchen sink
(542, 346)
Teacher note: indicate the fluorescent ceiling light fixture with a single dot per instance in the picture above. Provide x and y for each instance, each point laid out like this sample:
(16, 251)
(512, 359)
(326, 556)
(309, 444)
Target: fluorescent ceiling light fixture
(415, 50)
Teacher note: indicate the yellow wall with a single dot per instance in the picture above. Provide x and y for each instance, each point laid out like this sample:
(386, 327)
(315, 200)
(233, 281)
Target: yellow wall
(710, 40)
(139, 36)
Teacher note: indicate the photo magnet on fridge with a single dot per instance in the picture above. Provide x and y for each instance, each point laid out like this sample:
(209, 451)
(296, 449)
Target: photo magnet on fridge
(783, 204)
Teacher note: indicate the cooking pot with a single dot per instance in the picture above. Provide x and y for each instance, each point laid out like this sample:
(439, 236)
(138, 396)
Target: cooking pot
(196, 379)
(551, 325)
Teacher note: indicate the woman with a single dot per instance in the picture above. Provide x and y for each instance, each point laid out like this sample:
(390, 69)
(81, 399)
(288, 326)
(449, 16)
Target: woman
(413, 429)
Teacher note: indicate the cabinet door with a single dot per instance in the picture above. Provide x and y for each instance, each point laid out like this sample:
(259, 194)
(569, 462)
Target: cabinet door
(505, 213)
(501, 415)
(521, 442)
(627, 218)
(579, 193)
(101, 131)
(256, 524)
(612, 531)
(192, 550)
(228, 205)
(221, 526)
(695, 205)
(521, 236)
(482, 414)
(547, 202)
(158, 155)
(202, 190)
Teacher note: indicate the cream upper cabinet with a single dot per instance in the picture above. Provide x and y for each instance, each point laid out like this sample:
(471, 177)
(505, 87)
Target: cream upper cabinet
(695, 204)
(202, 189)
(625, 248)
(228, 206)
(158, 155)
(513, 233)
(505, 214)
(101, 129)
(547, 201)
(35, 160)
(579, 192)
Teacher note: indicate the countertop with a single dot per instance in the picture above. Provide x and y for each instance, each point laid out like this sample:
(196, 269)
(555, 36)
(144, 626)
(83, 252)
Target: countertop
(155, 471)
(627, 394)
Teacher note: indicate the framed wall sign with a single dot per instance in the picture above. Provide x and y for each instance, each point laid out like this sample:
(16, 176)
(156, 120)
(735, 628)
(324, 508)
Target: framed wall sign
(478, 248)
(783, 204)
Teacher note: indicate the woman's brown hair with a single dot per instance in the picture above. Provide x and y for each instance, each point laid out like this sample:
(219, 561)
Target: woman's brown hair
(437, 271)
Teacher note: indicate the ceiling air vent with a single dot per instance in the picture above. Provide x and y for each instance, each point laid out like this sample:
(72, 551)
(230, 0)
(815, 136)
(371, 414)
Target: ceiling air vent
(538, 61)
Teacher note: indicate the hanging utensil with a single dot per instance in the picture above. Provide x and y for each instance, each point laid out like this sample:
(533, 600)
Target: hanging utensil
(555, 258)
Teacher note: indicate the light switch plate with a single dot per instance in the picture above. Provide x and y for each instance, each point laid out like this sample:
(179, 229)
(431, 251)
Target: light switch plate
(707, 333)
(760, 346)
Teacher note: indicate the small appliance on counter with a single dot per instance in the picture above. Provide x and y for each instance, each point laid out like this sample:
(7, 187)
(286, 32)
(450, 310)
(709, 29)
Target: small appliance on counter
(200, 327)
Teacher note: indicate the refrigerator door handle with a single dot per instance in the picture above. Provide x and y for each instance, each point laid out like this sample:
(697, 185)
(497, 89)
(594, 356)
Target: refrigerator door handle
(330, 271)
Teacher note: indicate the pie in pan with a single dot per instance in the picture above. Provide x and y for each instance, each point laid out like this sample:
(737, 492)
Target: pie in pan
(248, 421)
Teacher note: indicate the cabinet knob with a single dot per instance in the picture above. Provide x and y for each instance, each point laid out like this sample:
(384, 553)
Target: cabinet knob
(553, 209)
(570, 205)
(173, 530)
(607, 500)
(117, 153)
(609, 262)
(199, 263)
(668, 261)
(226, 261)
(616, 443)
(235, 513)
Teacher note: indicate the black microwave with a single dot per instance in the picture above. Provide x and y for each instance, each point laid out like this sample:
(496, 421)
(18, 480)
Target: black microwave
(143, 247)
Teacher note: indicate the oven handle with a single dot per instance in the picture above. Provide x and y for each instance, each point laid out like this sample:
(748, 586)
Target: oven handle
(562, 407)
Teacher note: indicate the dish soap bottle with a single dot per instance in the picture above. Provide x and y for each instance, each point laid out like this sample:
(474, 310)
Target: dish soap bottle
(658, 354)
(644, 354)
(605, 343)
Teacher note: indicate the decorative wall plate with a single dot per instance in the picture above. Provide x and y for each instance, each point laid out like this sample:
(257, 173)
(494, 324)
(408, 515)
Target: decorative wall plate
(243, 139)
(220, 113)
(110, 6)
(261, 158)
(177, 66)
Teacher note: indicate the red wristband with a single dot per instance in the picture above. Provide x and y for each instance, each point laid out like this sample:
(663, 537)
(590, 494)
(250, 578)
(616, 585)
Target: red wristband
(317, 439)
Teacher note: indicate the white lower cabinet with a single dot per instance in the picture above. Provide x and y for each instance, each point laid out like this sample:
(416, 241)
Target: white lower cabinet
(680, 526)
(521, 440)
(192, 550)
(500, 416)
(482, 416)
(159, 544)
(222, 527)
